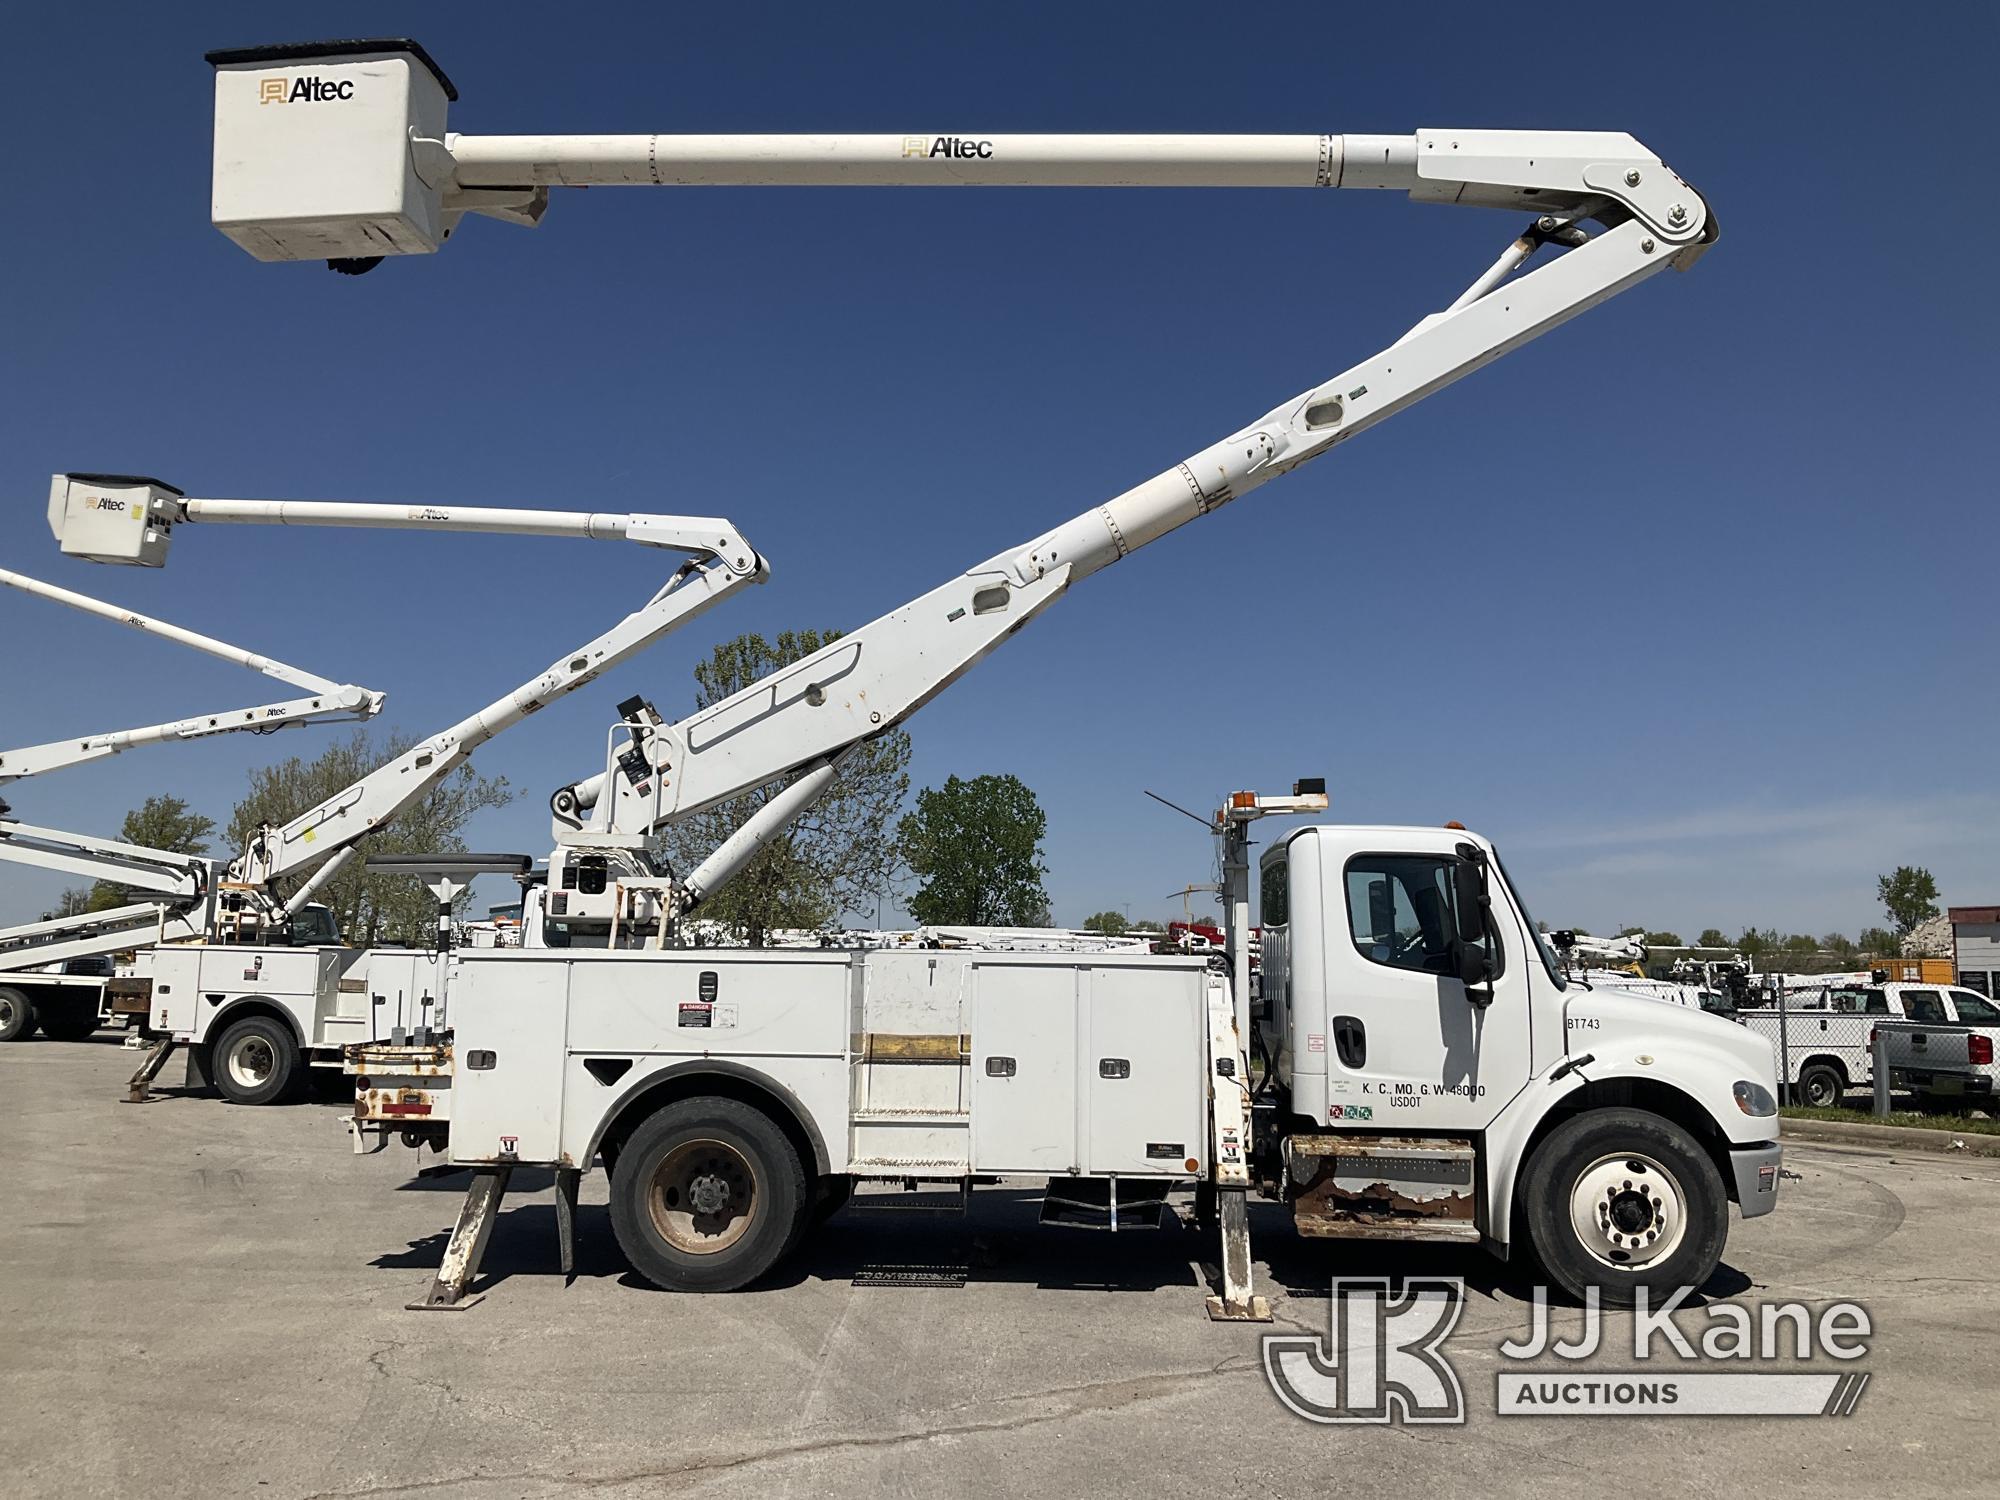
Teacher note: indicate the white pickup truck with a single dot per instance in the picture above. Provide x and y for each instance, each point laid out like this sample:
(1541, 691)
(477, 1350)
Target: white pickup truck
(1953, 1061)
(1824, 1042)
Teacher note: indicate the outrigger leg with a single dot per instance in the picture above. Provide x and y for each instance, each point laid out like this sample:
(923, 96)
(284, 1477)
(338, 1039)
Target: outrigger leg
(467, 1245)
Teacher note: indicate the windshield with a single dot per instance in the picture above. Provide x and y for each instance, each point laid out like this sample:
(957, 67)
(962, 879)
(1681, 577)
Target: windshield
(314, 925)
(1549, 959)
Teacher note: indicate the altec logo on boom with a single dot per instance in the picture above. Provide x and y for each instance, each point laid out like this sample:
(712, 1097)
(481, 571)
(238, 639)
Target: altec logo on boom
(953, 146)
(305, 89)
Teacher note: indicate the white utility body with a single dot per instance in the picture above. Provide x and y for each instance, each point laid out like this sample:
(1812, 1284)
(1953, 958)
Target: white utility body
(1425, 1073)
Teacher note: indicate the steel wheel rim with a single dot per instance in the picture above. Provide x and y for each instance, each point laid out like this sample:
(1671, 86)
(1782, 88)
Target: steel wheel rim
(251, 1062)
(8, 1011)
(703, 1197)
(1627, 1211)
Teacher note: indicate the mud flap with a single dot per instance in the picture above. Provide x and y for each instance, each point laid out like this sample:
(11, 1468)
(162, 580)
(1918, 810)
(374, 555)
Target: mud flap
(568, 1179)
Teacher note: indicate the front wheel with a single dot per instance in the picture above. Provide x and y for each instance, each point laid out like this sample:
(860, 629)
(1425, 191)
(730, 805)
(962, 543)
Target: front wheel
(255, 1061)
(707, 1196)
(1619, 1199)
(17, 1016)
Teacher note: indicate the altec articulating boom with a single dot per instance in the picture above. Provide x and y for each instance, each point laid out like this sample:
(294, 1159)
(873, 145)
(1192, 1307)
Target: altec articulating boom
(55, 973)
(337, 152)
(1428, 1072)
(290, 1007)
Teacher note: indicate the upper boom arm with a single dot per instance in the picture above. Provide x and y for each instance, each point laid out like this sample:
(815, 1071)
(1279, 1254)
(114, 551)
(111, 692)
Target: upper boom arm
(149, 513)
(339, 151)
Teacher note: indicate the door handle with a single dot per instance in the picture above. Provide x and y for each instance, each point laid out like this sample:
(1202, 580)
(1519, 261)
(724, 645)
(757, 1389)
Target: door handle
(1350, 1041)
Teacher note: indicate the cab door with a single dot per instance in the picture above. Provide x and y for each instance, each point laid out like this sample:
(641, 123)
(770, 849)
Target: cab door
(1407, 1048)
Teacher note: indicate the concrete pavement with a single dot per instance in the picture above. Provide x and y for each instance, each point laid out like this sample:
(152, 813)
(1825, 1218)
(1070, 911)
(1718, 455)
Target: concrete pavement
(203, 1300)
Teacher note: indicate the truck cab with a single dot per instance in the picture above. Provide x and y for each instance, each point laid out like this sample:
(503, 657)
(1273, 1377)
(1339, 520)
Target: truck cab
(1432, 1071)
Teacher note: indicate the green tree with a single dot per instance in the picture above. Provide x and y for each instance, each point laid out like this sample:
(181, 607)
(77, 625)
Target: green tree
(837, 856)
(1800, 942)
(1879, 942)
(166, 823)
(1909, 894)
(371, 908)
(1756, 942)
(1712, 937)
(977, 847)
(1663, 939)
(1839, 944)
(1110, 923)
(73, 902)
(1146, 924)
(157, 823)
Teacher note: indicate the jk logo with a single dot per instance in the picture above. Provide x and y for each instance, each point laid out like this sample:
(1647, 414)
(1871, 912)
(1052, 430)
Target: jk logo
(1382, 1358)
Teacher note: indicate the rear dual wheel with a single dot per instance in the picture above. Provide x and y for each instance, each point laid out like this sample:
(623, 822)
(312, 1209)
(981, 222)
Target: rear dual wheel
(65, 1019)
(707, 1195)
(255, 1061)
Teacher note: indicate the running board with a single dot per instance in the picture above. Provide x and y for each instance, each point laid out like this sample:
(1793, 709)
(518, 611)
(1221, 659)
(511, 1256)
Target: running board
(951, 1201)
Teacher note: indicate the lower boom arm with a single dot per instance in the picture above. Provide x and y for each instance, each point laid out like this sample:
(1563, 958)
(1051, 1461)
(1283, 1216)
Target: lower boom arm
(326, 700)
(799, 720)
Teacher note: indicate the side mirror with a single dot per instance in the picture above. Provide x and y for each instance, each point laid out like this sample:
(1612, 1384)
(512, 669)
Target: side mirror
(1468, 901)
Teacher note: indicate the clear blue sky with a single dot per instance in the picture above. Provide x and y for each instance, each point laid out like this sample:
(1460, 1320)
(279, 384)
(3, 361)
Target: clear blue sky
(1690, 605)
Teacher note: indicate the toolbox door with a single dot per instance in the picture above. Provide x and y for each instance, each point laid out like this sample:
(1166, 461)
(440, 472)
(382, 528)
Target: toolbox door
(1024, 1045)
(510, 1029)
(1145, 1072)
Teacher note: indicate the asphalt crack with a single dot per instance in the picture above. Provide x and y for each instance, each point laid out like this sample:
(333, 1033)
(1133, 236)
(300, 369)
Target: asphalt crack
(1091, 1398)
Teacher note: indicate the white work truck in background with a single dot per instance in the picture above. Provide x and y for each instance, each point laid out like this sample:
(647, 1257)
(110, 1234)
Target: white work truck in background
(255, 1019)
(65, 1001)
(1824, 1042)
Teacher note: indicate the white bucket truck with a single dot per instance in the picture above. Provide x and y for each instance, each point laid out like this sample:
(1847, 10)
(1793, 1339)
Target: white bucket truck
(1425, 1073)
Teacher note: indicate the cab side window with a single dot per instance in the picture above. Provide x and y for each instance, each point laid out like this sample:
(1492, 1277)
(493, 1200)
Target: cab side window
(1401, 913)
(1274, 895)
(1863, 1001)
(1923, 1005)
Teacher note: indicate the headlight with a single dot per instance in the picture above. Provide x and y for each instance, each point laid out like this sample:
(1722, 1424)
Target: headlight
(1754, 1098)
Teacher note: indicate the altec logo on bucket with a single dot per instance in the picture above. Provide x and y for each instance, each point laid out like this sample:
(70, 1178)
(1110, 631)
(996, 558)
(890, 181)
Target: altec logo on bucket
(305, 89)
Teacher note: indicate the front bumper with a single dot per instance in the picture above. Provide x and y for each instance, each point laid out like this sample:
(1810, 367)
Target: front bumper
(1757, 1170)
